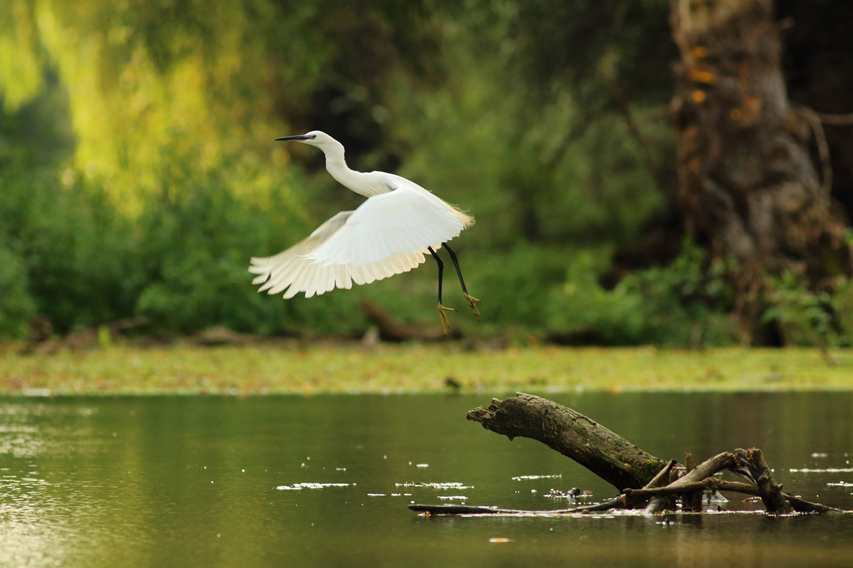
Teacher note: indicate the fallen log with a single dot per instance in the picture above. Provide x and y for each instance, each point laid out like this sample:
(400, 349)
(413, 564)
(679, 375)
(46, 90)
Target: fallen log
(642, 479)
(603, 452)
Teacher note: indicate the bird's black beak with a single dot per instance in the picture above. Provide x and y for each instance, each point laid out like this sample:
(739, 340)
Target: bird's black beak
(299, 137)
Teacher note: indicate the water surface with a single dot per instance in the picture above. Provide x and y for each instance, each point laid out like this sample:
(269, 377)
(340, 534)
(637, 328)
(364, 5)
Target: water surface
(325, 481)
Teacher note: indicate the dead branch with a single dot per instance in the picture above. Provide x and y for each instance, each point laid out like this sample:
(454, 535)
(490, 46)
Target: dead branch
(657, 503)
(771, 492)
(646, 481)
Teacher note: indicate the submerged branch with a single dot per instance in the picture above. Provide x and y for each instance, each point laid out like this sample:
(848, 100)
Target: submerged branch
(644, 480)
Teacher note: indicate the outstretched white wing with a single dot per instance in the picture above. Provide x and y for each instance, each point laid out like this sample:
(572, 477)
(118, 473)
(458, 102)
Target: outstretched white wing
(388, 234)
(397, 222)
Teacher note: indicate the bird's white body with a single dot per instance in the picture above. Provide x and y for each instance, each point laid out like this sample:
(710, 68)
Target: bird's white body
(387, 235)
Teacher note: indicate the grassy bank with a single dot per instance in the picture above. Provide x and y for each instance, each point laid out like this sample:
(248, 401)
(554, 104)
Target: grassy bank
(415, 369)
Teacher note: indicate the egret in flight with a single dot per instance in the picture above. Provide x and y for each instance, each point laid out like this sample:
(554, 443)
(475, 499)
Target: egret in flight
(386, 235)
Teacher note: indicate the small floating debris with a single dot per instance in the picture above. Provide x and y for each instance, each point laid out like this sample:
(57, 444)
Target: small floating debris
(299, 486)
(340, 469)
(824, 470)
(499, 539)
(570, 495)
(820, 455)
(525, 477)
(422, 465)
(376, 495)
(840, 484)
(450, 497)
(451, 485)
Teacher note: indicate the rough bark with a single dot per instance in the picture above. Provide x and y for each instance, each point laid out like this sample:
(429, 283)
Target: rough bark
(658, 503)
(771, 492)
(608, 455)
(748, 185)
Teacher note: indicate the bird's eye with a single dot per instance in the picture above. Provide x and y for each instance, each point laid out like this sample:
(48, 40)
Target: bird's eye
(312, 137)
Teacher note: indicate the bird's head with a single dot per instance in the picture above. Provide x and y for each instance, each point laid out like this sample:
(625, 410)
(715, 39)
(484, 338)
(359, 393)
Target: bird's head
(314, 138)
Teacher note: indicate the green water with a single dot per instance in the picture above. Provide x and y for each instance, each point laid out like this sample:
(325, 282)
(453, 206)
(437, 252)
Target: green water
(104, 482)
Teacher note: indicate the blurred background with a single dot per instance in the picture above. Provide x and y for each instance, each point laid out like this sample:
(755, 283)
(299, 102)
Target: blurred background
(138, 172)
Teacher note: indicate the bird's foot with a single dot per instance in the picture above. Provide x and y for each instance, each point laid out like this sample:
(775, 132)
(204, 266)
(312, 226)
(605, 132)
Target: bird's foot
(472, 301)
(443, 315)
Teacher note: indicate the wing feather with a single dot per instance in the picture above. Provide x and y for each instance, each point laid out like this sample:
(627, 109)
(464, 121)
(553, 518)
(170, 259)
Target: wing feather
(387, 235)
(388, 224)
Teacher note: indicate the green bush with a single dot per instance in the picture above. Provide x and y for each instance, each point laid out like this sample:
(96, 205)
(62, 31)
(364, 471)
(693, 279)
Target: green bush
(583, 312)
(684, 304)
(73, 246)
(192, 257)
(806, 316)
(17, 307)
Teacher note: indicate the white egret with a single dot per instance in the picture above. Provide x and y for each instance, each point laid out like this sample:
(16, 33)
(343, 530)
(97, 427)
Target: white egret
(386, 235)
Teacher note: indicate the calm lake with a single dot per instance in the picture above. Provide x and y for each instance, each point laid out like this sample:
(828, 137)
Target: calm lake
(326, 480)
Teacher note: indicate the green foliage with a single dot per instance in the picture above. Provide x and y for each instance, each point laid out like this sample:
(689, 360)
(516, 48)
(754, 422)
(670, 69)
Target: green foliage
(138, 173)
(16, 305)
(74, 248)
(841, 304)
(549, 172)
(514, 285)
(806, 316)
(684, 304)
(586, 46)
(584, 312)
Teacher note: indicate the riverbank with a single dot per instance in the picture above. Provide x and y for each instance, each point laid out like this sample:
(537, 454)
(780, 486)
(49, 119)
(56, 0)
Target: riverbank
(320, 369)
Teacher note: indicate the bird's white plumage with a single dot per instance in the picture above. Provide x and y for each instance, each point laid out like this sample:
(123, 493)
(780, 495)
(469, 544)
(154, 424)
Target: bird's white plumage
(387, 235)
(388, 225)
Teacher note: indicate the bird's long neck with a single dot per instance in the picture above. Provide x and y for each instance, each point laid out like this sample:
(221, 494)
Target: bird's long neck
(337, 166)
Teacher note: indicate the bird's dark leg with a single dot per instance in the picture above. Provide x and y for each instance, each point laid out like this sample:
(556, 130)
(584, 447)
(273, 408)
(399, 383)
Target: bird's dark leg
(441, 309)
(472, 301)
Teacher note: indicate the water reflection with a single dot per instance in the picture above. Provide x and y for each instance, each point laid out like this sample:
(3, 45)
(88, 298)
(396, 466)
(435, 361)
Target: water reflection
(326, 480)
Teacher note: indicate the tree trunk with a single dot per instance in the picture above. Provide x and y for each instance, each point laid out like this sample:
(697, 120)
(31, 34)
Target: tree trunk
(748, 187)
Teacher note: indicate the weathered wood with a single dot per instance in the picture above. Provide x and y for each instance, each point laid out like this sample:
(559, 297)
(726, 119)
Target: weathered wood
(662, 476)
(463, 510)
(799, 505)
(603, 452)
(622, 464)
(617, 503)
(706, 469)
(692, 500)
(714, 484)
(626, 500)
(658, 503)
(771, 492)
